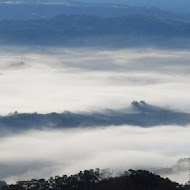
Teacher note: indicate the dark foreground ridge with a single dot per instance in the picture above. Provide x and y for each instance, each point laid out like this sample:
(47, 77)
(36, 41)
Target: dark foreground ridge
(139, 114)
(97, 180)
(2, 183)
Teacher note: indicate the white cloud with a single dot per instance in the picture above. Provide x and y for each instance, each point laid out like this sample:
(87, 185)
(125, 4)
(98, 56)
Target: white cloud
(58, 79)
(44, 153)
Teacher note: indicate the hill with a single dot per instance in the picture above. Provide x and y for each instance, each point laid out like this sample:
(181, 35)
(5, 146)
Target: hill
(2, 183)
(95, 180)
(139, 114)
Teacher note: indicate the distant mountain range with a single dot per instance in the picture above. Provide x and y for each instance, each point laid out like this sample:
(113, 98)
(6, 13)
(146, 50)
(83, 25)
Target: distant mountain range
(178, 6)
(141, 114)
(81, 30)
(72, 23)
(24, 10)
(173, 5)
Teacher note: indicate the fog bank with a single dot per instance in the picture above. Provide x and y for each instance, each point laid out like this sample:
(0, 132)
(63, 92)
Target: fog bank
(38, 154)
(80, 79)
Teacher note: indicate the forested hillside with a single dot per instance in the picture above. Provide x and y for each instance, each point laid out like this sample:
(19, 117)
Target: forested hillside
(139, 114)
(97, 180)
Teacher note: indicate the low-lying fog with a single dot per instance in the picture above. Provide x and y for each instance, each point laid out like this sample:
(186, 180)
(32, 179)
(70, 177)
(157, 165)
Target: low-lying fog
(38, 154)
(79, 79)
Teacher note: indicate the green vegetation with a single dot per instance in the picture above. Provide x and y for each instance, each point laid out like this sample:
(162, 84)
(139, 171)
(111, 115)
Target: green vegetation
(98, 180)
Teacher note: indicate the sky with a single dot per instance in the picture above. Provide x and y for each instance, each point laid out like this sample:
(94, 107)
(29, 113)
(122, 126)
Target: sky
(47, 80)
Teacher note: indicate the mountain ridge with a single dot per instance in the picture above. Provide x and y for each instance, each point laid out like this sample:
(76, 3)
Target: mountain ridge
(79, 30)
(139, 114)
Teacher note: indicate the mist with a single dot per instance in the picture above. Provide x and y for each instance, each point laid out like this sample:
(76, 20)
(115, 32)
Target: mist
(42, 79)
(45, 153)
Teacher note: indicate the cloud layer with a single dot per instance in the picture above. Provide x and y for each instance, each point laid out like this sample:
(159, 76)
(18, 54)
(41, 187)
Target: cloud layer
(37, 154)
(58, 79)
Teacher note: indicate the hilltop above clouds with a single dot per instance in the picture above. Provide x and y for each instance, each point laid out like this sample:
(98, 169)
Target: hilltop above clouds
(139, 114)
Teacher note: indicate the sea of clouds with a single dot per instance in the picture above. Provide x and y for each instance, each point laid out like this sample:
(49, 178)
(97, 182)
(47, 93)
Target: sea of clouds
(86, 79)
(79, 79)
(37, 154)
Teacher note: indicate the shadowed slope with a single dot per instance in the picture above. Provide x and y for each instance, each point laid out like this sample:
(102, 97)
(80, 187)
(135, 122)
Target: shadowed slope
(140, 114)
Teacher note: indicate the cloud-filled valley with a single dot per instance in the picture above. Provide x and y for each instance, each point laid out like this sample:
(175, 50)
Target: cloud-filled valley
(86, 85)
(57, 152)
(54, 80)
(90, 81)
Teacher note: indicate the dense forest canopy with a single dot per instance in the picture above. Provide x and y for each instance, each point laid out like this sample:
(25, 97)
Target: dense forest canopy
(100, 180)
